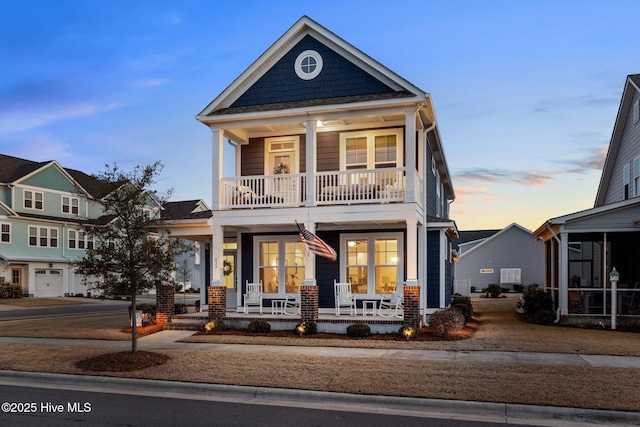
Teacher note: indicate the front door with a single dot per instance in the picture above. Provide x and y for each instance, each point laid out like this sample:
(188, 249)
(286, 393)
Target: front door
(229, 279)
(16, 276)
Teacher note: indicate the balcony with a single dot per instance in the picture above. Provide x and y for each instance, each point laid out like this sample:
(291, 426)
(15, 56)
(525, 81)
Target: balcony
(362, 186)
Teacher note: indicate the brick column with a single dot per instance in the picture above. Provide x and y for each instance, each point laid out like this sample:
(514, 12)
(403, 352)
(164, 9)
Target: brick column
(309, 303)
(165, 304)
(217, 296)
(411, 305)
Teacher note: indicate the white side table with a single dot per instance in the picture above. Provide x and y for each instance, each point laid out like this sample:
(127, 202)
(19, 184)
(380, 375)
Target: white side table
(277, 306)
(369, 307)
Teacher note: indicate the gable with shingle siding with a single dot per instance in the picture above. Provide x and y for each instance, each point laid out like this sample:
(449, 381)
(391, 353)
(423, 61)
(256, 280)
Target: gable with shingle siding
(339, 78)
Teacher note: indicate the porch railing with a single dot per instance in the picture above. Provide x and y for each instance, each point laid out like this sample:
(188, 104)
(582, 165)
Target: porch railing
(332, 188)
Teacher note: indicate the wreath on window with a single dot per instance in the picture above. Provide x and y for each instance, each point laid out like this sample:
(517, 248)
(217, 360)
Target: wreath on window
(281, 168)
(227, 267)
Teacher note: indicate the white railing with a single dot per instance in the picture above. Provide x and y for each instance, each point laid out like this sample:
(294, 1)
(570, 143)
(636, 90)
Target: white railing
(361, 186)
(260, 191)
(332, 188)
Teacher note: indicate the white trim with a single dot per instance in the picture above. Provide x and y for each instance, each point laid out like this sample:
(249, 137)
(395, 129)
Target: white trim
(281, 241)
(304, 74)
(370, 135)
(1, 232)
(371, 238)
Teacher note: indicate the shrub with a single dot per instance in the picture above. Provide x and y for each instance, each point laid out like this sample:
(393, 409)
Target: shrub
(146, 308)
(535, 300)
(259, 327)
(518, 288)
(215, 325)
(358, 330)
(10, 290)
(544, 317)
(306, 327)
(505, 290)
(494, 290)
(465, 309)
(461, 300)
(180, 308)
(409, 332)
(445, 322)
(473, 289)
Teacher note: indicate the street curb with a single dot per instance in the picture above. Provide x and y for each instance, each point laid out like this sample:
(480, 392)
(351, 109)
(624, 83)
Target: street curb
(408, 404)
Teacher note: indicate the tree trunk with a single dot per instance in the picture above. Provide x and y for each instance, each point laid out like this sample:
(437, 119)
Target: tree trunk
(134, 328)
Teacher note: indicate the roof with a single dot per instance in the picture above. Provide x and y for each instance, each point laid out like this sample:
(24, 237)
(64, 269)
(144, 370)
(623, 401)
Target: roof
(472, 236)
(186, 209)
(496, 236)
(13, 169)
(632, 84)
(267, 71)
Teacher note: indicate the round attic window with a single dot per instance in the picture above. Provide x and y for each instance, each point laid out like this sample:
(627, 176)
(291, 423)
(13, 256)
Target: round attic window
(308, 65)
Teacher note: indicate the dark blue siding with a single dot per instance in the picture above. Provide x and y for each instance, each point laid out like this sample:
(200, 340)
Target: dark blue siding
(339, 77)
(327, 271)
(433, 269)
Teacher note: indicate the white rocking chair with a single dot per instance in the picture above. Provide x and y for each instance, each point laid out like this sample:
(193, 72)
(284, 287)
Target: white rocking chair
(344, 298)
(392, 305)
(292, 304)
(253, 297)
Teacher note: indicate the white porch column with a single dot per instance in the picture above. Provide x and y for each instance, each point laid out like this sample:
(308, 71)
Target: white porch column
(217, 168)
(217, 252)
(564, 273)
(422, 270)
(312, 167)
(412, 253)
(310, 260)
(410, 154)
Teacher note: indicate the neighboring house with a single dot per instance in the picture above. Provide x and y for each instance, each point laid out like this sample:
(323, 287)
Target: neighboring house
(511, 256)
(582, 248)
(41, 206)
(326, 136)
(191, 271)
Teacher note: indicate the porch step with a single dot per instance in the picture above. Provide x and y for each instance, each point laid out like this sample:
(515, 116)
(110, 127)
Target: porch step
(186, 323)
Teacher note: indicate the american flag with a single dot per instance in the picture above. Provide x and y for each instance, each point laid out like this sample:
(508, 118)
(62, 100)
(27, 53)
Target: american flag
(315, 244)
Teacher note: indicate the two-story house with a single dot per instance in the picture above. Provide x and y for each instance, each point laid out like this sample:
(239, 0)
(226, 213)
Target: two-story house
(582, 248)
(41, 207)
(326, 136)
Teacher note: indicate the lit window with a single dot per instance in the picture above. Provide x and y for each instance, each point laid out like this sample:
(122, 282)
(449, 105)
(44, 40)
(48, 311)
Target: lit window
(280, 264)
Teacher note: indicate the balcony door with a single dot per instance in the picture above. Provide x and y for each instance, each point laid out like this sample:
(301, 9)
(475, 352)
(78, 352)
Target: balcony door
(282, 158)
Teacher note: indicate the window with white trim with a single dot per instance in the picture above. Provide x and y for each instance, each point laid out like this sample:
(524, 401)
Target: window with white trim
(636, 111)
(308, 65)
(636, 177)
(43, 237)
(372, 263)
(5, 233)
(79, 240)
(510, 275)
(279, 263)
(33, 200)
(70, 205)
(373, 149)
(626, 178)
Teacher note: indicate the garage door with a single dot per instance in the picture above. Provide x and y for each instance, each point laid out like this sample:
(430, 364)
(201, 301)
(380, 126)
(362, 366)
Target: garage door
(49, 283)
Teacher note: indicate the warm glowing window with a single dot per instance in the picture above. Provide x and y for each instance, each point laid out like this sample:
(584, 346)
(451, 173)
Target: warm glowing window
(374, 149)
(372, 264)
(281, 264)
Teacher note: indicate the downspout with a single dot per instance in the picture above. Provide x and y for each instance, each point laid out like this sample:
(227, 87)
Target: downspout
(425, 222)
(559, 259)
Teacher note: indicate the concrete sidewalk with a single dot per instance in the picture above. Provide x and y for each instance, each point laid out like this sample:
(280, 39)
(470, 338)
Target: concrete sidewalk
(168, 340)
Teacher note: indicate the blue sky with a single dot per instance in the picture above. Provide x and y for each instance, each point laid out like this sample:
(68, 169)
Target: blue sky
(526, 92)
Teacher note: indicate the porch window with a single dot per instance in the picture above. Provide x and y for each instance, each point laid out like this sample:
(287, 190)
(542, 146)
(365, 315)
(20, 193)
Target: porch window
(280, 264)
(371, 149)
(372, 264)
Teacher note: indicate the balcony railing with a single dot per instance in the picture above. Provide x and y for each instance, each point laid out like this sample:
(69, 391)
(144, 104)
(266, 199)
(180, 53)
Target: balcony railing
(332, 188)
